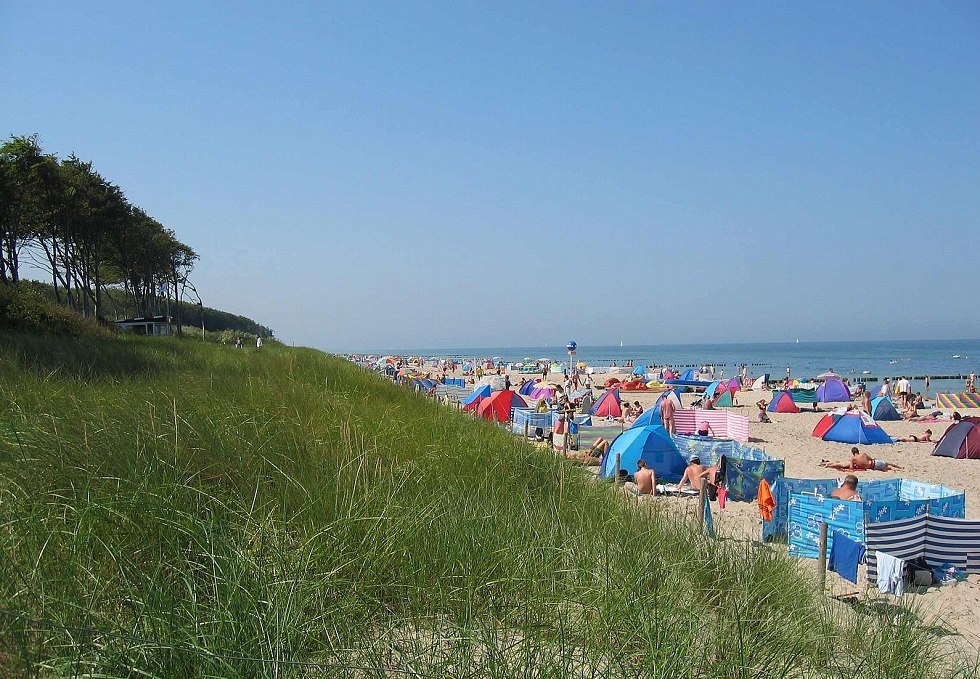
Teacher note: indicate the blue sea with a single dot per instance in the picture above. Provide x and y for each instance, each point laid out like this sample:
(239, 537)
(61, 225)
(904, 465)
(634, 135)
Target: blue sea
(856, 360)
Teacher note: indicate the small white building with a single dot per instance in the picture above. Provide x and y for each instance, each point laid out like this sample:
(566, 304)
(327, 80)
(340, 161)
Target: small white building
(157, 326)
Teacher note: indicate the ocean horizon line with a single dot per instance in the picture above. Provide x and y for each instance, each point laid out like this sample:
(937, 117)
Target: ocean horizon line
(581, 346)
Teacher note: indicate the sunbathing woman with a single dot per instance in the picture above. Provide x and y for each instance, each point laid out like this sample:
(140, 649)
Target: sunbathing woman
(593, 456)
(860, 462)
(921, 438)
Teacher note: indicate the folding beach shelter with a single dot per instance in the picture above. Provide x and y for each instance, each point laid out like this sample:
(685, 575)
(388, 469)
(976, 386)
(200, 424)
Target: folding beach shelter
(760, 382)
(711, 389)
(782, 402)
(825, 423)
(653, 445)
(543, 390)
(833, 391)
(724, 399)
(473, 400)
(652, 416)
(882, 408)
(640, 370)
(607, 405)
(856, 427)
(687, 375)
(497, 407)
(528, 387)
(961, 440)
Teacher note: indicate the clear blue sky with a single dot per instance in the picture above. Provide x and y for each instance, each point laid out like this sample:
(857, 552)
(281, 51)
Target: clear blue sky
(402, 174)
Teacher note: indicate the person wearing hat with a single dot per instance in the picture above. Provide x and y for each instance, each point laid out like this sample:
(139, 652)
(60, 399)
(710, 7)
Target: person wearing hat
(694, 474)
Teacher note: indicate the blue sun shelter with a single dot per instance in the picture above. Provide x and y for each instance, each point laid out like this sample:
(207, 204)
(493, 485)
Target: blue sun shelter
(856, 427)
(833, 391)
(652, 415)
(528, 387)
(653, 445)
(882, 408)
(473, 400)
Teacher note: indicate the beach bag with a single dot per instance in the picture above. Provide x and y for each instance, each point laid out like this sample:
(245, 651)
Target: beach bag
(918, 572)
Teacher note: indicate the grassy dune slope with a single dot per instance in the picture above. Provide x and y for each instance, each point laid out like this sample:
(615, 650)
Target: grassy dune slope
(170, 508)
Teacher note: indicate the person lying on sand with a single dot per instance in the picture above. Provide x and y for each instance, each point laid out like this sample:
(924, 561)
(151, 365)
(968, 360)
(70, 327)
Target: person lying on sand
(848, 489)
(921, 438)
(593, 456)
(860, 462)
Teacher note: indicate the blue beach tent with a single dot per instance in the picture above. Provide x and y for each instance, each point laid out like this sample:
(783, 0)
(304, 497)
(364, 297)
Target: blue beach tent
(640, 370)
(882, 408)
(653, 445)
(688, 375)
(852, 427)
(833, 391)
(479, 394)
(652, 416)
(528, 387)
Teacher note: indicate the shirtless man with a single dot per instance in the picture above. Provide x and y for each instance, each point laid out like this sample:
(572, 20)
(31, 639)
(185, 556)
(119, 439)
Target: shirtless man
(694, 473)
(848, 489)
(861, 461)
(644, 481)
(921, 438)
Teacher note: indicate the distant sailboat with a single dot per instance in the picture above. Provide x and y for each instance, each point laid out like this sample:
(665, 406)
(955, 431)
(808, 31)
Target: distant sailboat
(797, 340)
(620, 342)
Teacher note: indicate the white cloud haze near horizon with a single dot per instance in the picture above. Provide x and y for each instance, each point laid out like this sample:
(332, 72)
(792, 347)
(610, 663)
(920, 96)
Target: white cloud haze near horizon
(394, 176)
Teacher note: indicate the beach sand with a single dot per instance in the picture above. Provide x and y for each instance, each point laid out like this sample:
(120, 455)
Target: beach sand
(953, 607)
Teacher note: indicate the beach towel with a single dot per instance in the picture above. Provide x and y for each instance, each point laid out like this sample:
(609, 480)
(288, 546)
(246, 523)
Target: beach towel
(845, 556)
(765, 500)
(891, 574)
(709, 523)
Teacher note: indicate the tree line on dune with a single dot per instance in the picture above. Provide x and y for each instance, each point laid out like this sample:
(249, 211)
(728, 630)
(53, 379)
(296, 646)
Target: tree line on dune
(103, 255)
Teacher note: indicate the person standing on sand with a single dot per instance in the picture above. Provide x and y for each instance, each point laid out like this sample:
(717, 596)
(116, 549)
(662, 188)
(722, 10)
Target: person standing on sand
(667, 412)
(258, 342)
(866, 401)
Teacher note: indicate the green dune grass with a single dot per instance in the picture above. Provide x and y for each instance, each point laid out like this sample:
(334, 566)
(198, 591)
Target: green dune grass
(172, 508)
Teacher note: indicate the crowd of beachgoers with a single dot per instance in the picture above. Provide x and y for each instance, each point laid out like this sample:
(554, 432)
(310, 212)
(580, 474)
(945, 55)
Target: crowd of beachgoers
(786, 436)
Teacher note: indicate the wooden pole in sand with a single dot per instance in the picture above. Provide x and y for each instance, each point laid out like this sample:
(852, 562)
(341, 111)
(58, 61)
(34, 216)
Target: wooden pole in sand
(619, 459)
(526, 428)
(702, 493)
(822, 557)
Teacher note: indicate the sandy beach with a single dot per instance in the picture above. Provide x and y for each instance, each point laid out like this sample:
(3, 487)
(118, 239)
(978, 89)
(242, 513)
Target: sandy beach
(952, 607)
